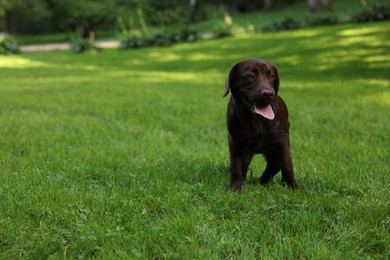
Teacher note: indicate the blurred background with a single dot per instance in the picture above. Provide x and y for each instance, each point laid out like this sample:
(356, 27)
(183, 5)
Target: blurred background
(137, 21)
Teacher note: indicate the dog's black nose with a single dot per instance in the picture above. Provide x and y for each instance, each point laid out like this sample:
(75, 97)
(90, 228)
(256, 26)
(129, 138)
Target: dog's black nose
(267, 94)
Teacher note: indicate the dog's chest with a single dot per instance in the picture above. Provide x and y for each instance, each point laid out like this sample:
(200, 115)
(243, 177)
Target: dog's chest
(256, 136)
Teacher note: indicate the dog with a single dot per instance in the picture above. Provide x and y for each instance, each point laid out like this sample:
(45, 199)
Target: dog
(257, 122)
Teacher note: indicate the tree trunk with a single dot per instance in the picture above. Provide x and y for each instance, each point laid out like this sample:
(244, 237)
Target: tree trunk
(319, 5)
(3, 24)
(192, 11)
(268, 4)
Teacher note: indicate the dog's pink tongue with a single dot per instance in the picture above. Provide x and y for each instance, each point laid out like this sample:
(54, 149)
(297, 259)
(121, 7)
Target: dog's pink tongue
(266, 112)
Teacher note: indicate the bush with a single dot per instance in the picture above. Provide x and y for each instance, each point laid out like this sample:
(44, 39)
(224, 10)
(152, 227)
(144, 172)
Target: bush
(8, 45)
(285, 24)
(80, 45)
(322, 20)
(243, 6)
(223, 30)
(290, 23)
(133, 41)
(185, 35)
(160, 39)
(137, 40)
(378, 12)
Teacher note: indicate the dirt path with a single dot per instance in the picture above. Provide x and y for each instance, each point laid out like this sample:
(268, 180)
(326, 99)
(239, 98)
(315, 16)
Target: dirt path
(65, 46)
(100, 44)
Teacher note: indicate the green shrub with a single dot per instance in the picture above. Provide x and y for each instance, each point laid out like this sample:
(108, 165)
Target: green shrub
(290, 23)
(287, 23)
(133, 41)
(322, 20)
(378, 12)
(8, 45)
(185, 35)
(160, 39)
(224, 28)
(80, 45)
(163, 38)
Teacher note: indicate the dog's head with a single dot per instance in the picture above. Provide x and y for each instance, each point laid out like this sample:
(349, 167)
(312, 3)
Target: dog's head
(254, 83)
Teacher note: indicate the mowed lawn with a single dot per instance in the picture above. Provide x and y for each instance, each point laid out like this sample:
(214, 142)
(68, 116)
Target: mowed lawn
(123, 154)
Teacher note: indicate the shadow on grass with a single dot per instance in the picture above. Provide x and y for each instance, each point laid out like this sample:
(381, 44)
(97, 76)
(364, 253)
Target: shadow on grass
(316, 54)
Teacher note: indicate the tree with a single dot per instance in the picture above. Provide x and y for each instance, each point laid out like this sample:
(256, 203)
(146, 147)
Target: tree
(42, 16)
(84, 16)
(4, 6)
(193, 11)
(165, 12)
(27, 16)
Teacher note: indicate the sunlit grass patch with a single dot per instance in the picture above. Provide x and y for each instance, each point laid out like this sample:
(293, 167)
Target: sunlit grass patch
(19, 62)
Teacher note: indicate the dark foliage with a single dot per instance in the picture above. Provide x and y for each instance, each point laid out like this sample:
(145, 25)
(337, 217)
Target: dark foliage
(187, 34)
(285, 24)
(29, 16)
(322, 20)
(159, 39)
(377, 12)
(133, 41)
(42, 16)
(80, 45)
(165, 12)
(83, 15)
(243, 6)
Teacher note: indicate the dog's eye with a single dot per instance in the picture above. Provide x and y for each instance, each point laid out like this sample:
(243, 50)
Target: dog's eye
(250, 76)
(271, 76)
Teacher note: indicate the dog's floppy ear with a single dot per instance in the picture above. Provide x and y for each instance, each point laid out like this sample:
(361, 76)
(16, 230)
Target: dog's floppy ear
(230, 79)
(276, 81)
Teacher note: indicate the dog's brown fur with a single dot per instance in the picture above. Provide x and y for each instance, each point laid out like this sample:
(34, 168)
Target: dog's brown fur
(256, 82)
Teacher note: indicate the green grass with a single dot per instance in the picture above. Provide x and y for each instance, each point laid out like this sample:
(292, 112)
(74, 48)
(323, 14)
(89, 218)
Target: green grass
(123, 154)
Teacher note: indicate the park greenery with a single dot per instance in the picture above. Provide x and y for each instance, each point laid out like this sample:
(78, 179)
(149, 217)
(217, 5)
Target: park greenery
(140, 32)
(132, 38)
(123, 154)
(43, 16)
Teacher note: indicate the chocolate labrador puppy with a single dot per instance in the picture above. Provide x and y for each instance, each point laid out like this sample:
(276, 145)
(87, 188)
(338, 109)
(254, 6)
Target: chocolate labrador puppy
(257, 122)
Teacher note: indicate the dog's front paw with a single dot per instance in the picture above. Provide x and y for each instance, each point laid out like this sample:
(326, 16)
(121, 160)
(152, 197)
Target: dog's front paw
(236, 185)
(291, 184)
(265, 179)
